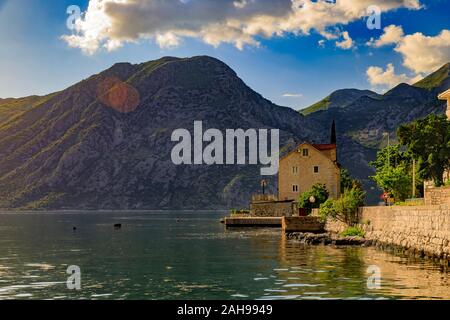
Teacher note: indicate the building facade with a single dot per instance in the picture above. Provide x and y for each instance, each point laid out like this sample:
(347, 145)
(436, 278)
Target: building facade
(446, 96)
(307, 165)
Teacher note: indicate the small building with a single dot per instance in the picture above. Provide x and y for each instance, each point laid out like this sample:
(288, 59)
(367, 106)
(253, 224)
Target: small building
(439, 195)
(305, 166)
(446, 96)
(308, 165)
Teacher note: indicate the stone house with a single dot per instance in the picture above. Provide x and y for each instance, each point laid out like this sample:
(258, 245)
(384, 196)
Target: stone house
(307, 165)
(446, 96)
(299, 170)
(441, 195)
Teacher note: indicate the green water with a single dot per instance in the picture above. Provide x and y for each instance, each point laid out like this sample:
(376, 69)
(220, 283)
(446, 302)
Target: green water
(189, 255)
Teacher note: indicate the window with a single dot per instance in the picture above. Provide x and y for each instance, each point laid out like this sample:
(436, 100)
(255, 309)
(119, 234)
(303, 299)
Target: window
(316, 169)
(295, 188)
(305, 152)
(294, 170)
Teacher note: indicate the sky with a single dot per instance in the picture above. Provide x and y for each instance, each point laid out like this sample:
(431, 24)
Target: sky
(293, 52)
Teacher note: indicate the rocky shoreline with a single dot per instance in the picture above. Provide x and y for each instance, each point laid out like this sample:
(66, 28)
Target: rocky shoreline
(333, 239)
(327, 239)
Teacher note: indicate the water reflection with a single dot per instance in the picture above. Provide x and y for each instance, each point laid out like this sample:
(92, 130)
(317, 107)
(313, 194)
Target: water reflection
(344, 272)
(188, 255)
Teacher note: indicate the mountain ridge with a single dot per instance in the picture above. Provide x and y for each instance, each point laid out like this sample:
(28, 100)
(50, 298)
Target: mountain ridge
(104, 143)
(365, 120)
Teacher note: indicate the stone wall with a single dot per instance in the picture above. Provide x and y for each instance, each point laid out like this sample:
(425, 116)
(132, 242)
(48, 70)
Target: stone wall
(424, 230)
(302, 224)
(437, 196)
(273, 209)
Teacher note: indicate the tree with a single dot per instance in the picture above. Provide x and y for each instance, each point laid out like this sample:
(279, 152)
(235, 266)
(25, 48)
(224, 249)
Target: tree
(394, 172)
(347, 182)
(428, 140)
(391, 156)
(345, 208)
(318, 193)
(395, 180)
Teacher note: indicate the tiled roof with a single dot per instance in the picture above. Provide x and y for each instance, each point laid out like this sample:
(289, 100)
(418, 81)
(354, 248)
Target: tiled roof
(323, 147)
(445, 95)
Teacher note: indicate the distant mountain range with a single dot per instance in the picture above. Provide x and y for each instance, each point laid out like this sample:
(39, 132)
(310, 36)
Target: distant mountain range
(83, 149)
(363, 117)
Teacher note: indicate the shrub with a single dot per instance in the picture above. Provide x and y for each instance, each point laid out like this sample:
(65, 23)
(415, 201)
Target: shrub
(320, 194)
(353, 232)
(346, 207)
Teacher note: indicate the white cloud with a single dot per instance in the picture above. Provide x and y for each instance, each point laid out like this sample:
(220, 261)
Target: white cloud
(346, 43)
(111, 23)
(421, 54)
(425, 54)
(392, 35)
(293, 95)
(378, 77)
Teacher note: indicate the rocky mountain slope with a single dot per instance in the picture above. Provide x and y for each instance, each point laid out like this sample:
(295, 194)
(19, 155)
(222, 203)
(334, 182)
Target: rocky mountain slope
(364, 117)
(105, 142)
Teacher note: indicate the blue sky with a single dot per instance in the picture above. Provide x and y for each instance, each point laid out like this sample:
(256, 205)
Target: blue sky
(289, 69)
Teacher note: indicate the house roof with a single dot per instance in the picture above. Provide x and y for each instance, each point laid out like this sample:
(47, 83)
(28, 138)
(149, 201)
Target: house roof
(323, 147)
(319, 147)
(445, 95)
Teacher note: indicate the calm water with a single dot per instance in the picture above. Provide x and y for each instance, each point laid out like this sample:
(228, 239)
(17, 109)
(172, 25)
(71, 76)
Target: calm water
(154, 256)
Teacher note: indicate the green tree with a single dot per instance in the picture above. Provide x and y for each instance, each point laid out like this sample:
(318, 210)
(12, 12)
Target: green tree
(394, 172)
(395, 180)
(428, 140)
(347, 182)
(318, 193)
(346, 207)
(391, 156)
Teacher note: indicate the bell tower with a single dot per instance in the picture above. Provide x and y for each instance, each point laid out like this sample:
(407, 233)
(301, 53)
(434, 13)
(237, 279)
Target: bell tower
(333, 136)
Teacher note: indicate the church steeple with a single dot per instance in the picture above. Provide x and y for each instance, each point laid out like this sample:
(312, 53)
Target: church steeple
(333, 136)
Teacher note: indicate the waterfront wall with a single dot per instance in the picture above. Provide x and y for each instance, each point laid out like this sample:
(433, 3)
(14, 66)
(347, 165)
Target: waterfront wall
(273, 209)
(302, 224)
(422, 230)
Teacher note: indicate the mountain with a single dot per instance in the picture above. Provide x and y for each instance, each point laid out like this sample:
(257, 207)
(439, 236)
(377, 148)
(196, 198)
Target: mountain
(338, 99)
(363, 118)
(105, 143)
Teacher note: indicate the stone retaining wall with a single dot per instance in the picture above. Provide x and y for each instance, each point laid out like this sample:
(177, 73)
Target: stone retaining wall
(273, 209)
(303, 224)
(423, 230)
